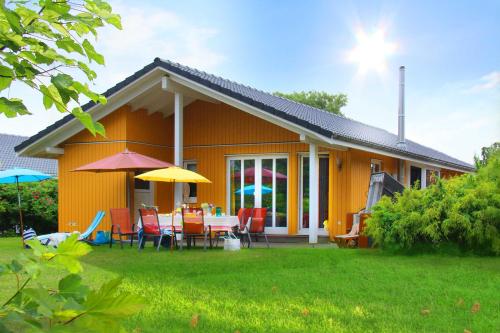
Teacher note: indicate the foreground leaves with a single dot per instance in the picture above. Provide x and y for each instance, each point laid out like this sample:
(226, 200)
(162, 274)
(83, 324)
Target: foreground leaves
(73, 306)
(43, 43)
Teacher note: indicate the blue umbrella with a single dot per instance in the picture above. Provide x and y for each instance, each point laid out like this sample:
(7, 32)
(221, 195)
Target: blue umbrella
(16, 176)
(250, 189)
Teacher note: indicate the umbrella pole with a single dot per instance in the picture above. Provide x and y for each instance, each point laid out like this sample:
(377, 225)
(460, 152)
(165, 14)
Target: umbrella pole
(20, 210)
(172, 228)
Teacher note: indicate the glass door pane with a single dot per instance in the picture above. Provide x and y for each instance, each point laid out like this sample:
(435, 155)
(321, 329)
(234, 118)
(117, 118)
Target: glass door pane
(305, 193)
(281, 189)
(235, 186)
(323, 190)
(267, 189)
(249, 184)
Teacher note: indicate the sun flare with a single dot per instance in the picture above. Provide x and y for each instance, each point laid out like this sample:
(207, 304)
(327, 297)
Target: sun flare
(371, 51)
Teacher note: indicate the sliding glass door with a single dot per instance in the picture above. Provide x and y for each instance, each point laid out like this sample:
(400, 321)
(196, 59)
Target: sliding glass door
(260, 182)
(304, 194)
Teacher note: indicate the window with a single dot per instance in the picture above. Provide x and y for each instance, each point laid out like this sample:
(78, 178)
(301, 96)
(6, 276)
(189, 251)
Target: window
(423, 175)
(190, 189)
(431, 177)
(140, 184)
(415, 176)
(375, 166)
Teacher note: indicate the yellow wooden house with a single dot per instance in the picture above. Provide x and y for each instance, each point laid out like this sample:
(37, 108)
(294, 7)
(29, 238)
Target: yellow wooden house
(304, 164)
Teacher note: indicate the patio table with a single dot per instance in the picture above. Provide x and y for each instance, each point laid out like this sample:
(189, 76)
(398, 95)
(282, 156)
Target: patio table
(217, 224)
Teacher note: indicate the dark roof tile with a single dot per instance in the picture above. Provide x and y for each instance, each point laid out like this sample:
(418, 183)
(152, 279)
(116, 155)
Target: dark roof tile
(9, 159)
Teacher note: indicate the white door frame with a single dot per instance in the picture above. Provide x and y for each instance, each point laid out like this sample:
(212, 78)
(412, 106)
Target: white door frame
(301, 230)
(258, 185)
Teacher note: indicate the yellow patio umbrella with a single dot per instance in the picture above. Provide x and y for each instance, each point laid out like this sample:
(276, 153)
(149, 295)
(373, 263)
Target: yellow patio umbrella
(173, 175)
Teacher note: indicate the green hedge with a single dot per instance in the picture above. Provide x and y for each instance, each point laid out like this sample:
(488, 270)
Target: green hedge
(39, 203)
(463, 211)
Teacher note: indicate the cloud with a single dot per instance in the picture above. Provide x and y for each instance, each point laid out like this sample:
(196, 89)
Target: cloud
(453, 122)
(148, 32)
(486, 82)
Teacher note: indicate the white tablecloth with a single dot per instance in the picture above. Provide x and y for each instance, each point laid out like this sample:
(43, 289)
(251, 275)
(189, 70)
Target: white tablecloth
(214, 221)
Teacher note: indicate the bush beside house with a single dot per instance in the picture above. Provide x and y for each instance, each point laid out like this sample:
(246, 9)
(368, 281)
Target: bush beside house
(39, 203)
(463, 211)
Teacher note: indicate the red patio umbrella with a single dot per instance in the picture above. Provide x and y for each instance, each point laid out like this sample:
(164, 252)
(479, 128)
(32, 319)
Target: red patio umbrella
(266, 173)
(126, 161)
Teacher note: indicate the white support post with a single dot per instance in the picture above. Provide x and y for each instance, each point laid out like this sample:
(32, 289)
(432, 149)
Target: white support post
(178, 141)
(313, 193)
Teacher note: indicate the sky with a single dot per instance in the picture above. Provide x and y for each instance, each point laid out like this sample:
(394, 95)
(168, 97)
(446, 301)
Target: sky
(451, 51)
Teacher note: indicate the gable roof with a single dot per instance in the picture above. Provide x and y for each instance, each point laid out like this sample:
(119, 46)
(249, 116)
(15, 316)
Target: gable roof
(9, 158)
(319, 121)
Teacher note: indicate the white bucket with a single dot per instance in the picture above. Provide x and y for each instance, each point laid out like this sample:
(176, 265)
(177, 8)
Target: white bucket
(231, 244)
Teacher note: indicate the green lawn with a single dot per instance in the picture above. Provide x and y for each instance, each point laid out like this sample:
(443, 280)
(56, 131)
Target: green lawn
(297, 289)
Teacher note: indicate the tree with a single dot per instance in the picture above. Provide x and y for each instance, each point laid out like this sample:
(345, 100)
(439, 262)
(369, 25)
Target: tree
(486, 153)
(44, 45)
(318, 99)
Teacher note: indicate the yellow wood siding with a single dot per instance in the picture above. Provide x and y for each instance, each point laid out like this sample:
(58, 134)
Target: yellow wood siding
(360, 175)
(82, 194)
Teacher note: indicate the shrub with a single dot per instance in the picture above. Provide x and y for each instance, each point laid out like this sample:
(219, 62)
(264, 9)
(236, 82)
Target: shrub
(464, 211)
(39, 204)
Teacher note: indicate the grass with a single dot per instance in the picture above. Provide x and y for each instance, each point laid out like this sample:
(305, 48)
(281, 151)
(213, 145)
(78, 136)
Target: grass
(296, 289)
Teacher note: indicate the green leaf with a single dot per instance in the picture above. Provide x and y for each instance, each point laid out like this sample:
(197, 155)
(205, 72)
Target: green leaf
(15, 266)
(62, 81)
(46, 303)
(92, 53)
(69, 45)
(72, 247)
(48, 102)
(99, 128)
(71, 286)
(105, 301)
(85, 119)
(91, 75)
(115, 20)
(6, 77)
(13, 19)
(12, 107)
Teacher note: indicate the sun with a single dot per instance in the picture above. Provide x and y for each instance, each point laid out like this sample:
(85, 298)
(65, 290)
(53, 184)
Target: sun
(371, 51)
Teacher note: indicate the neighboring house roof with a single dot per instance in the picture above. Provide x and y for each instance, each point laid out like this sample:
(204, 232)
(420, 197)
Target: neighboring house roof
(9, 159)
(316, 120)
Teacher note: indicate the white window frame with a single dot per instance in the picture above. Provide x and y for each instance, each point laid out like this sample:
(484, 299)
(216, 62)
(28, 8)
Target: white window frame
(423, 175)
(191, 200)
(258, 193)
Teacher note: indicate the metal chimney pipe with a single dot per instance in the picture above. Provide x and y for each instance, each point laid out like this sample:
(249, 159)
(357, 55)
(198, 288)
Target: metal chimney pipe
(401, 109)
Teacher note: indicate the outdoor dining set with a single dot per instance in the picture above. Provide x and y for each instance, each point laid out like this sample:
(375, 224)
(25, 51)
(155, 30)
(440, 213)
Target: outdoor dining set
(188, 226)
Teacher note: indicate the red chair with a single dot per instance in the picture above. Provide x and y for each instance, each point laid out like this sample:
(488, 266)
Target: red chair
(193, 226)
(258, 225)
(151, 227)
(242, 231)
(121, 225)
